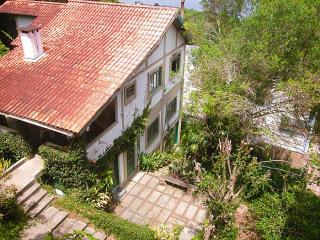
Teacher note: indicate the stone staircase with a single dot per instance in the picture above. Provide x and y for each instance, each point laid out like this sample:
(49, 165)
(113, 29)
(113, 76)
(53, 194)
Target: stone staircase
(37, 203)
(45, 218)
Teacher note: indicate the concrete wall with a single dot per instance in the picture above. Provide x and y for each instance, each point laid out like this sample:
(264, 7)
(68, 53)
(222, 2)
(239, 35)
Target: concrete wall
(98, 146)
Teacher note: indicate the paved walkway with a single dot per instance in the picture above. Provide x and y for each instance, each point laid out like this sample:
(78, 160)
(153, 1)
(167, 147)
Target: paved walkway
(148, 201)
(24, 173)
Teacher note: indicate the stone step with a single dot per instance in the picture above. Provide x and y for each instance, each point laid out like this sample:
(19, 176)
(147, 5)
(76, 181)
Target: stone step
(100, 236)
(89, 230)
(38, 208)
(34, 199)
(24, 196)
(68, 226)
(25, 187)
(53, 217)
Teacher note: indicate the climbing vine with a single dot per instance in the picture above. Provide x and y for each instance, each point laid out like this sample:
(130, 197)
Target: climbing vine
(127, 138)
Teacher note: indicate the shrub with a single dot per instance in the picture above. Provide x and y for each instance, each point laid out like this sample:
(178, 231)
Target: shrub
(7, 202)
(108, 222)
(66, 168)
(154, 161)
(12, 217)
(270, 215)
(164, 232)
(13, 147)
(100, 194)
(303, 217)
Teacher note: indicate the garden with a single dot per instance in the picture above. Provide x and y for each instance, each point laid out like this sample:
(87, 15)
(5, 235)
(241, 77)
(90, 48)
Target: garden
(12, 217)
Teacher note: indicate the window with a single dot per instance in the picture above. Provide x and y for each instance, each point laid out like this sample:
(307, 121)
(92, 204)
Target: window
(153, 131)
(104, 121)
(175, 63)
(130, 92)
(291, 125)
(155, 79)
(171, 108)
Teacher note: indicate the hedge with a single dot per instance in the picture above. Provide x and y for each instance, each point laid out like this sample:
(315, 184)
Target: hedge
(13, 146)
(68, 168)
(110, 223)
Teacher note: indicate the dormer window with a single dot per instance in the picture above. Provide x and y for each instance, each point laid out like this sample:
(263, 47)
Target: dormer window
(31, 43)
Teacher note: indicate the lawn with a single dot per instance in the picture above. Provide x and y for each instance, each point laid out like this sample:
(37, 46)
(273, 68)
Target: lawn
(108, 222)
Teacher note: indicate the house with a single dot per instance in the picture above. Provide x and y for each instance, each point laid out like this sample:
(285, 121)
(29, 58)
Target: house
(87, 69)
(290, 138)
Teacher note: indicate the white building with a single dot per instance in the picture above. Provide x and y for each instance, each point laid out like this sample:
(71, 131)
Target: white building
(87, 69)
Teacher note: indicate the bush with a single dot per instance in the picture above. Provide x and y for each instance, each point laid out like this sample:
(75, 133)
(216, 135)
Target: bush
(13, 147)
(154, 161)
(303, 217)
(270, 215)
(164, 232)
(67, 169)
(108, 222)
(12, 217)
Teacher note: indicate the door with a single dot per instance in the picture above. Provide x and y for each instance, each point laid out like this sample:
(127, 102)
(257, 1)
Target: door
(130, 161)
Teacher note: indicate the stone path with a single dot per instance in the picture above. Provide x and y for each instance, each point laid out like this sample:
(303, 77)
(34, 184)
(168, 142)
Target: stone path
(36, 202)
(147, 201)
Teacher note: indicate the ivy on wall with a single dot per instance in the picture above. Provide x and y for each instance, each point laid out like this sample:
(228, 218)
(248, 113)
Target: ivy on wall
(127, 138)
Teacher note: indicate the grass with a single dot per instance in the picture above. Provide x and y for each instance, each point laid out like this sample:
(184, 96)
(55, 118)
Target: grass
(12, 228)
(108, 222)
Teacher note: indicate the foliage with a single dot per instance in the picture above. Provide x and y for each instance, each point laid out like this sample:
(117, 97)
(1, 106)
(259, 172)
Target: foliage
(4, 165)
(127, 138)
(66, 168)
(100, 193)
(13, 147)
(233, 176)
(76, 235)
(165, 233)
(3, 49)
(12, 217)
(108, 222)
(11, 228)
(154, 161)
(270, 214)
(314, 159)
(242, 76)
(287, 210)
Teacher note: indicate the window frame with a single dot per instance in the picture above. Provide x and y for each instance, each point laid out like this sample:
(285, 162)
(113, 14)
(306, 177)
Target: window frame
(169, 117)
(155, 89)
(150, 141)
(131, 98)
(173, 58)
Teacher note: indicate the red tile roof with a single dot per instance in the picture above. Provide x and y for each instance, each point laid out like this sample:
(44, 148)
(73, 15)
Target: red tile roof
(91, 49)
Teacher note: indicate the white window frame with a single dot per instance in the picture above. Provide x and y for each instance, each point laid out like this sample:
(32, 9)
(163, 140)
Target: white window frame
(149, 141)
(158, 82)
(127, 100)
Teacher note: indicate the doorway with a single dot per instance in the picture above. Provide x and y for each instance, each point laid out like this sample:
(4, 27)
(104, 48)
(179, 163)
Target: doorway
(130, 162)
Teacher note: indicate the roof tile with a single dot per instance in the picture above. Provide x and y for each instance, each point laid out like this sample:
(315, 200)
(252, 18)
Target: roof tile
(91, 49)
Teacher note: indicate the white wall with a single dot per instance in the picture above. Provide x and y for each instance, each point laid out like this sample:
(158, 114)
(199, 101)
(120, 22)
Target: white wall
(171, 43)
(105, 139)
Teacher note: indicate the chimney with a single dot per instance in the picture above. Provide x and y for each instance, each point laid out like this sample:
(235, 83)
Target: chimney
(182, 8)
(31, 43)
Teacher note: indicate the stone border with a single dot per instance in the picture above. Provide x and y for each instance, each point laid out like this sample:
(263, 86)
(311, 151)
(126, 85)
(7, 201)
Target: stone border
(16, 165)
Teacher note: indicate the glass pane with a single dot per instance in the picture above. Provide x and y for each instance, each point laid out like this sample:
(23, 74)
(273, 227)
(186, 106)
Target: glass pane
(130, 91)
(130, 161)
